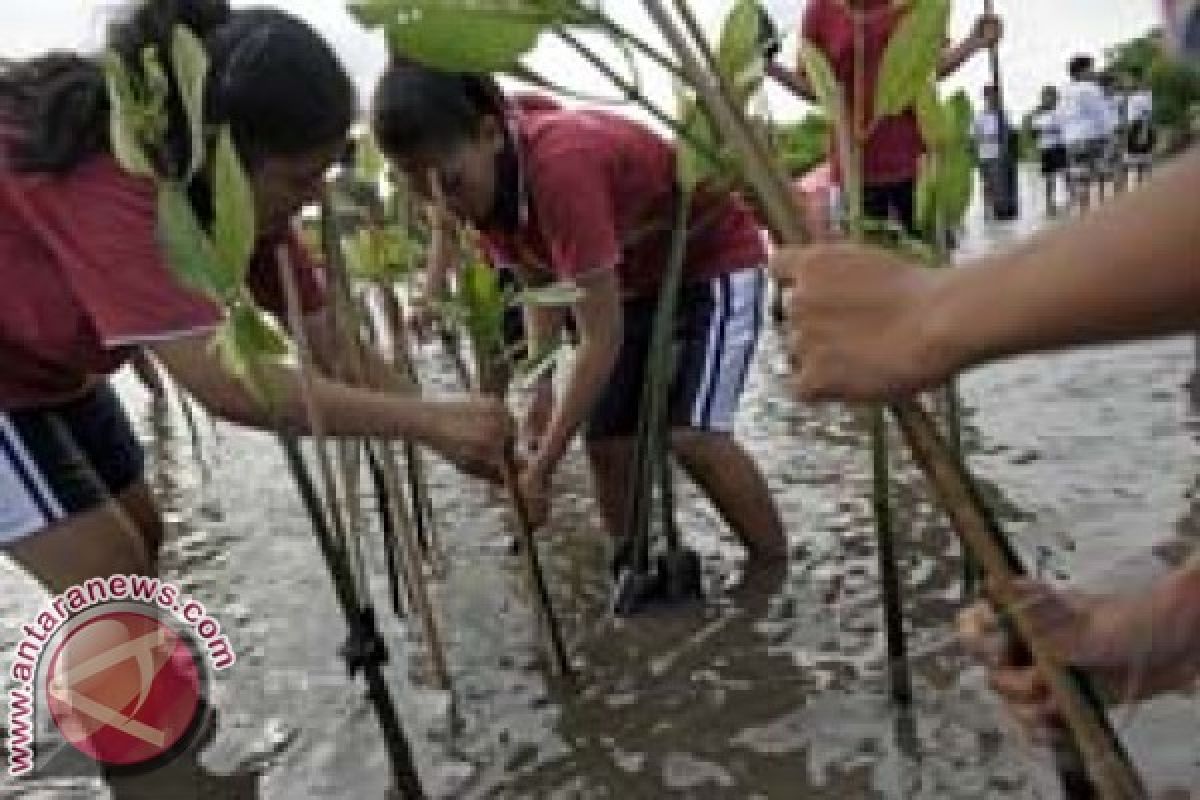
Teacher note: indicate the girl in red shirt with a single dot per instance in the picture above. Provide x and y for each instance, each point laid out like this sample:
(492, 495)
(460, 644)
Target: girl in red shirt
(589, 196)
(85, 283)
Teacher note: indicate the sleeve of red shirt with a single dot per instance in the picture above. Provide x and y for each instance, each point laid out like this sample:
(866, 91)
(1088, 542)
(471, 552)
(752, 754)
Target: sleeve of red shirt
(99, 222)
(310, 277)
(574, 207)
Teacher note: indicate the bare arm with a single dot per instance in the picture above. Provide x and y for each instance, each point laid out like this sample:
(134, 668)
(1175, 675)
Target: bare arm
(1129, 270)
(868, 326)
(345, 410)
(598, 319)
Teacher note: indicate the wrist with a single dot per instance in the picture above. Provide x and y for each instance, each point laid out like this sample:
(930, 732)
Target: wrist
(948, 335)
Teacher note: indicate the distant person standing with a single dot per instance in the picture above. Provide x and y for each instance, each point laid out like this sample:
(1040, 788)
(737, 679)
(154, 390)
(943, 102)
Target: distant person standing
(853, 35)
(1088, 121)
(1045, 124)
(987, 133)
(1140, 135)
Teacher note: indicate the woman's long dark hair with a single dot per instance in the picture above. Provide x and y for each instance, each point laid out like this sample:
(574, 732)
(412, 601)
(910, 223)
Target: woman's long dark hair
(417, 110)
(272, 79)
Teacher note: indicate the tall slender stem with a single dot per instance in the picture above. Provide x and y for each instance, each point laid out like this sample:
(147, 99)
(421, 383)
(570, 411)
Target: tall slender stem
(537, 580)
(403, 766)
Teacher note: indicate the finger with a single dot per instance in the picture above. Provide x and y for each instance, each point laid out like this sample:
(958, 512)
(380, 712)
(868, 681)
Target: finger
(1022, 686)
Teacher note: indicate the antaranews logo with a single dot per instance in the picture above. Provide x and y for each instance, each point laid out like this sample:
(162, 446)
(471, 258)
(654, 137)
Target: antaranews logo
(121, 665)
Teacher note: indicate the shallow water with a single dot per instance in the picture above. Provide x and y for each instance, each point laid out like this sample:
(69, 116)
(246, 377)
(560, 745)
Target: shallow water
(771, 693)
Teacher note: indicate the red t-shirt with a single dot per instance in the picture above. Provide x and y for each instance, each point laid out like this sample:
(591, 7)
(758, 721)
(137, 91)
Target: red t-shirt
(84, 280)
(598, 194)
(893, 150)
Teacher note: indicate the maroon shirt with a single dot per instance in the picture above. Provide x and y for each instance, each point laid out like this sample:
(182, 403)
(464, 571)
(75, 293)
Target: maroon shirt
(599, 195)
(83, 280)
(893, 150)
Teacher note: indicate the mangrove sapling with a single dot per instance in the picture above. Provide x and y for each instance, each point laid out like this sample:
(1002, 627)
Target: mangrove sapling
(373, 260)
(213, 260)
(1108, 766)
(365, 649)
(479, 303)
(677, 571)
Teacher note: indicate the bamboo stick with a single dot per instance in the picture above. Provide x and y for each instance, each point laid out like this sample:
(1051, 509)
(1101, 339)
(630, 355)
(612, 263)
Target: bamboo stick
(349, 342)
(537, 581)
(1107, 763)
(403, 766)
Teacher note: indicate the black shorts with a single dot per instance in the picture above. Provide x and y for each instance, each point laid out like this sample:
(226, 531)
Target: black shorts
(64, 459)
(893, 201)
(1054, 160)
(716, 333)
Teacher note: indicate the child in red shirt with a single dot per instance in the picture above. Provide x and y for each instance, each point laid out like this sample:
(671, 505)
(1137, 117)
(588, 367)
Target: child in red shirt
(589, 196)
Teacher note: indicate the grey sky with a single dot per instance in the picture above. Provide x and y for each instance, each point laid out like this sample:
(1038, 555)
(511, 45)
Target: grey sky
(1041, 37)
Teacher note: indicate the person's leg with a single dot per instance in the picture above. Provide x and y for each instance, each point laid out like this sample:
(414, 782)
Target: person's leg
(611, 462)
(720, 337)
(613, 423)
(72, 473)
(731, 479)
(97, 543)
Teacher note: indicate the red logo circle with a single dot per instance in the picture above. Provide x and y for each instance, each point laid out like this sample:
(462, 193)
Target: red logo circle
(124, 688)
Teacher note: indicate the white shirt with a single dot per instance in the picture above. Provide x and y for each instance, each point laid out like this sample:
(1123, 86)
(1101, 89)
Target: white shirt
(1085, 113)
(1047, 129)
(1139, 107)
(986, 132)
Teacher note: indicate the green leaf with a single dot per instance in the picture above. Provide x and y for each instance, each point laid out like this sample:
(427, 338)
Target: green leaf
(369, 163)
(187, 247)
(926, 193)
(233, 217)
(557, 295)
(955, 183)
(958, 115)
(824, 83)
(911, 59)
(153, 102)
(739, 54)
(124, 118)
(482, 304)
(190, 63)
(931, 119)
(464, 35)
(247, 341)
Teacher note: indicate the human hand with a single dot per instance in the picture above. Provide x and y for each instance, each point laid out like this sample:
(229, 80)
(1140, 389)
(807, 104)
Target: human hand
(1124, 644)
(860, 322)
(477, 446)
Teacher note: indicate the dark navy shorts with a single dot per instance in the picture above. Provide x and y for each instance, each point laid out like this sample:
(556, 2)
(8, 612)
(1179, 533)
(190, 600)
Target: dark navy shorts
(716, 333)
(64, 459)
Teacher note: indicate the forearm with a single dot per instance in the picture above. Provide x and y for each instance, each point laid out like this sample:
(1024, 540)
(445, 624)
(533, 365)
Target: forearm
(1130, 269)
(590, 371)
(342, 410)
